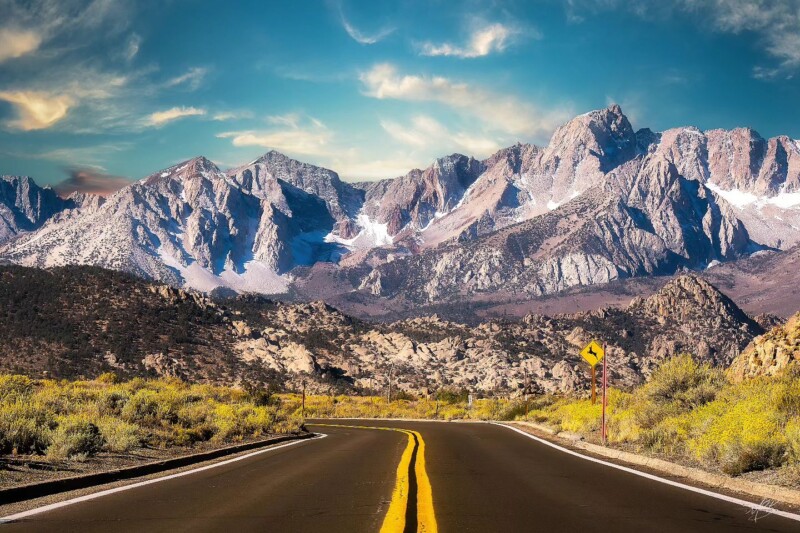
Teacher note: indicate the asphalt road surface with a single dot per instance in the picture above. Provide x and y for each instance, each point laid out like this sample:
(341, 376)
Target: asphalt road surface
(449, 477)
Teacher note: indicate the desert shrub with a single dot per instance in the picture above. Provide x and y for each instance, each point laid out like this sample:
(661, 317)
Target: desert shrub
(513, 411)
(12, 386)
(793, 440)
(141, 408)
(741, 430)
(112, 401)
(75, 437)
(76, 419)
(120, 436)
(452, 396)
(23, 427)
(677, 385)
(108, 377)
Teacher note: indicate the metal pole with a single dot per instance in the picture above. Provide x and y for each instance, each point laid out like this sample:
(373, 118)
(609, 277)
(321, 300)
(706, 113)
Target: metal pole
(605, 394)
(594, 379)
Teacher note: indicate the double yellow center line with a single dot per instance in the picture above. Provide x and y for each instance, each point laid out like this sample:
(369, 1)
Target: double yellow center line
(412, 497)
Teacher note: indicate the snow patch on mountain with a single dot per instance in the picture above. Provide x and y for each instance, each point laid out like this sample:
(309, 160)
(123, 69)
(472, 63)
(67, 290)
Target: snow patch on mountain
(256, 276)
(742, 199)
(372, 234)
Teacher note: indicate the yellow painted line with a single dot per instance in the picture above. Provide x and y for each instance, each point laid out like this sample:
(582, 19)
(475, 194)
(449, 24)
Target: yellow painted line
(395, 519)
(426, 518)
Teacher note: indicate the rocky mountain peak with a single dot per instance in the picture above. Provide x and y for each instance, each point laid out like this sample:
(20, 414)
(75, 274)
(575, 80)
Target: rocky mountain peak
(690, 297)
(25, 206)
(583, 150)
(262, 178)
(192, 168)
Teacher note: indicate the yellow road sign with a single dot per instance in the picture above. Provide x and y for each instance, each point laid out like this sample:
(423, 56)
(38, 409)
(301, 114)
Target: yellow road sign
(593, 353)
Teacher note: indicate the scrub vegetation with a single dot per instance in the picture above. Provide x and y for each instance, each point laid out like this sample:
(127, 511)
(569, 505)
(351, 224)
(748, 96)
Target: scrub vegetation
(79, 419)
(687, 410)
(690, 410)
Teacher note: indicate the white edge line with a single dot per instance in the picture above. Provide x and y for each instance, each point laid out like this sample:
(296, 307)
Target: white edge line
(87, 497)
(730, 499)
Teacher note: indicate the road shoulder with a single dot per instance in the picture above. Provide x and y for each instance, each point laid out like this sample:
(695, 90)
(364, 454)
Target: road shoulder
(66, 489)
(695, 477)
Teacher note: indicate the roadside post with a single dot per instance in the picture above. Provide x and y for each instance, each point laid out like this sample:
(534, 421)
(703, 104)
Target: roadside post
(303, 409)
(604, 427)
(389, 391)
(593, 353)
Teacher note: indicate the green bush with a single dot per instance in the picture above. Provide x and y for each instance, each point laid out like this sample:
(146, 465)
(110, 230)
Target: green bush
(23, 428)
(75, 437)
(120, 436)
(77, 419)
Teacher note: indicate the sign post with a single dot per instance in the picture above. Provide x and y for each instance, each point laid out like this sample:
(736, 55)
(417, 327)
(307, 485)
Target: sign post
(593, 353)
(604, 430)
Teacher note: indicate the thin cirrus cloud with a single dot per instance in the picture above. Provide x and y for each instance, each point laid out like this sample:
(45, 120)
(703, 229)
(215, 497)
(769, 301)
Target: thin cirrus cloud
(16, 43)
(159, 118)
(501, 113)
(426, 132)
(485, 40)
(132, 46)
(192, 78)
(776, 22)
(223, 116)
(361, 37)
(291, 133)
(36, 110)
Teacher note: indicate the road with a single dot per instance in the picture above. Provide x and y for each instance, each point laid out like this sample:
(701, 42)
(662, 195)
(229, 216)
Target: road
(474, 477)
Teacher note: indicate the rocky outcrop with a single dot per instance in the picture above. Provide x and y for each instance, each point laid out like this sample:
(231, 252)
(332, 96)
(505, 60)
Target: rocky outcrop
(25, 207)
(769, 354)
(692, 315)
(84, 321)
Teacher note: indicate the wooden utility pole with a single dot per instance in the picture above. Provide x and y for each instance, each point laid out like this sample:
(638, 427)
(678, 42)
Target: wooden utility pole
(526, 390)
(303, 408)
(389, 390)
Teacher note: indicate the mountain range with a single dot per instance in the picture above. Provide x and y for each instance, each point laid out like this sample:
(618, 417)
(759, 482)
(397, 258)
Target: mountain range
(601, 202)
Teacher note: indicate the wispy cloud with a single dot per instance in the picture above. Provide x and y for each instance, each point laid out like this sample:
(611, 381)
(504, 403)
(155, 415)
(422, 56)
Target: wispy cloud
(59, 85)
(776, 23)
(159, 118)
(132, 46)
(90, 181)
(36, 110)
(498, 112)
(93, 156)
(293, 133)
(16, 43)
(359, 36)
(223, 116)
(192, 78)
(483, 41)
(424, 131)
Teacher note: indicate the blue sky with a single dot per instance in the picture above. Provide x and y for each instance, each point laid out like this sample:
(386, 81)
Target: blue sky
(102, 89)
